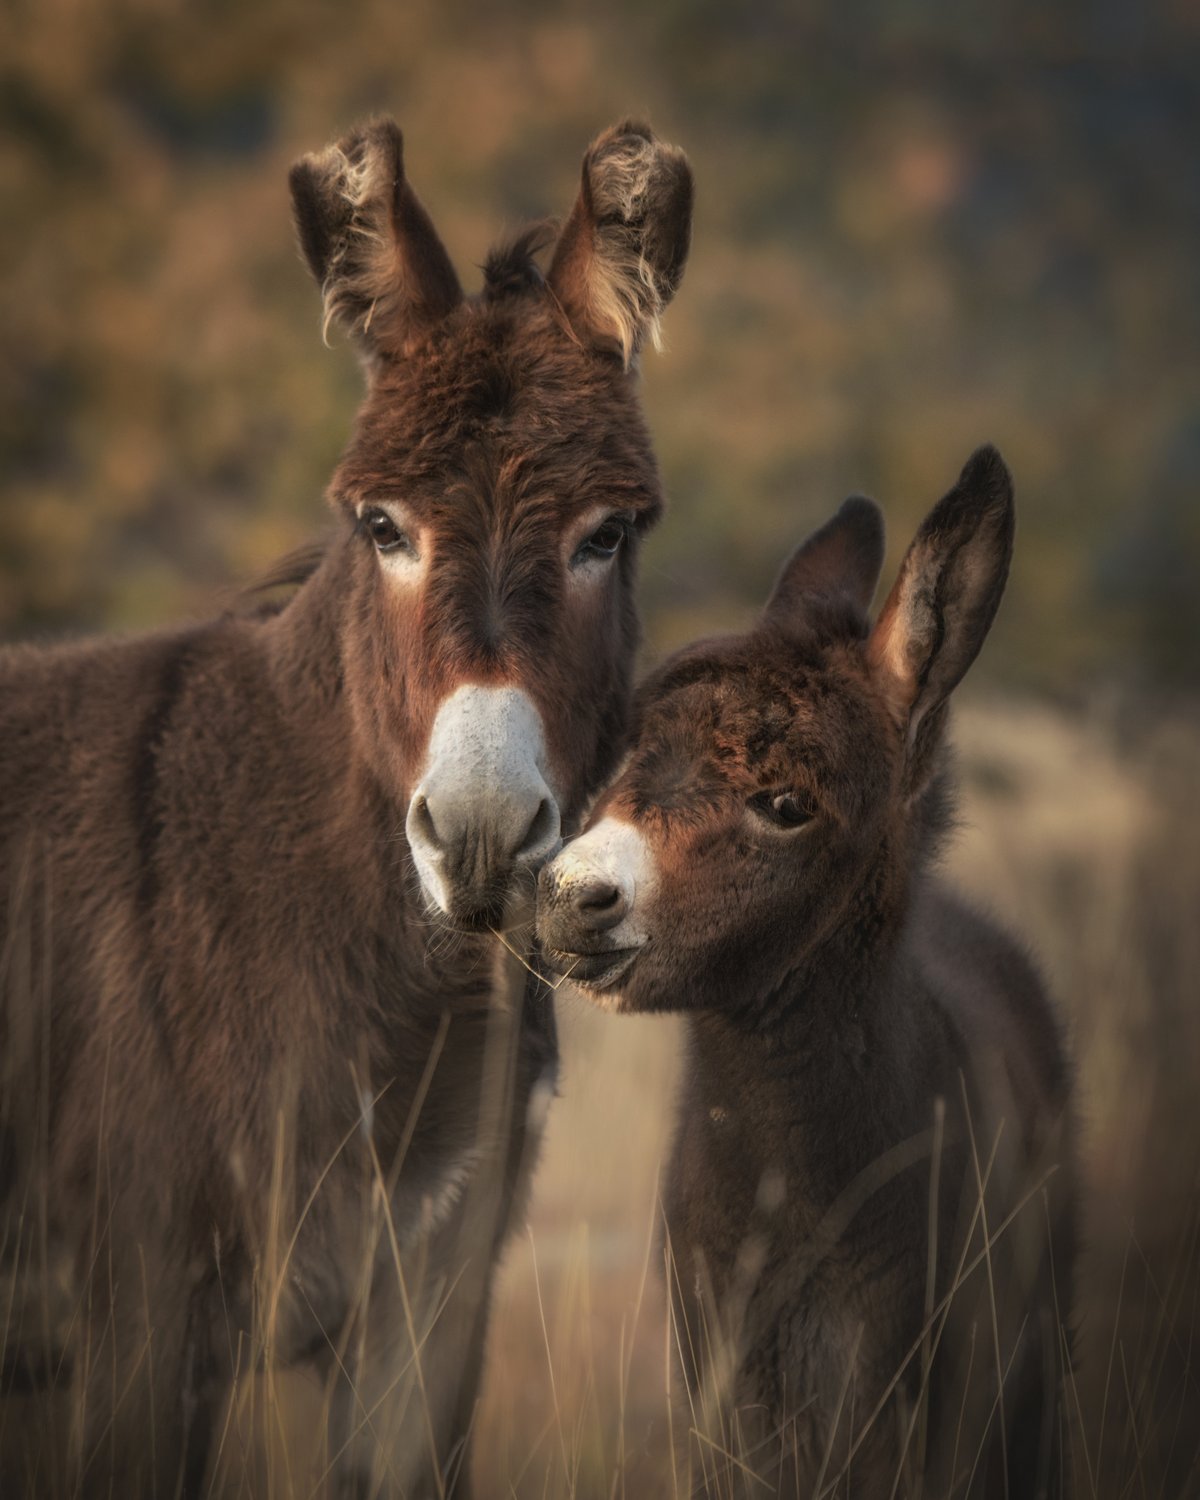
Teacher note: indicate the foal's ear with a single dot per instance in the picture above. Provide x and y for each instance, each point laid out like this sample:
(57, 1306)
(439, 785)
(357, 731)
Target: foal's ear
(383, 272)
(943, 603)
(842, 558)
(621, 253)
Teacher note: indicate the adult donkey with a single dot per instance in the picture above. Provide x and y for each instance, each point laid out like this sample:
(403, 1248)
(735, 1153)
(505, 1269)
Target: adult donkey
(250, 1084)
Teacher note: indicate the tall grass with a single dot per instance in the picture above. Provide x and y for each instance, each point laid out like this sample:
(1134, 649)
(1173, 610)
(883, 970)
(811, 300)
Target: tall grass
(1077, 831)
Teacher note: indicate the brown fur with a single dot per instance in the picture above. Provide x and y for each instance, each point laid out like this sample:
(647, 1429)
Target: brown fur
(853, 1030)
(227, 1021)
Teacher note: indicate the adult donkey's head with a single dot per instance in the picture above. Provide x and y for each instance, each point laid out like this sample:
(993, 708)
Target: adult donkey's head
(497, 484)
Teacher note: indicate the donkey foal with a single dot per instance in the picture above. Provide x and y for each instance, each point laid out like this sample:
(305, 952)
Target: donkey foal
(868, 1206)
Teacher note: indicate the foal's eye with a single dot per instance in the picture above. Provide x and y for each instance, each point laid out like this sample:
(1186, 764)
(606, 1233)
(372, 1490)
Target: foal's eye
(384, 532)
(604, 541)
(784, 809)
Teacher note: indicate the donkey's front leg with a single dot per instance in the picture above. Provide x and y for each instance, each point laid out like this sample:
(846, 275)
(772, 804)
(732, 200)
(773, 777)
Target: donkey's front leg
(408, 1381)
(394, 1416)
(147, 1395)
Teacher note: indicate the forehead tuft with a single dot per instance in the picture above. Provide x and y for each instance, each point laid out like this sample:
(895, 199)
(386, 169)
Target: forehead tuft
(512, 269)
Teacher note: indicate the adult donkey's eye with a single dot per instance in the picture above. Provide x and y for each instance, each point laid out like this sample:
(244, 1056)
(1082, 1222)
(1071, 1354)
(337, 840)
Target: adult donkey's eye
(604, 541)
(384, 532)
(784, 809)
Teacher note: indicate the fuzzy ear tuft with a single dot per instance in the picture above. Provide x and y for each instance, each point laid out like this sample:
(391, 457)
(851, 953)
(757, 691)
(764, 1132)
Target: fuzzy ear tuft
(841, 559)
(383, 272)
(946, 595)
(620, 257)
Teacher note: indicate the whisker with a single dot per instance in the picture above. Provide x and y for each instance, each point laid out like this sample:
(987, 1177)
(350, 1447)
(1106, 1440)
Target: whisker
(537, 974)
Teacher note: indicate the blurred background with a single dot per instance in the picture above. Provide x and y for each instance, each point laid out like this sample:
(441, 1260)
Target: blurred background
(918, 227)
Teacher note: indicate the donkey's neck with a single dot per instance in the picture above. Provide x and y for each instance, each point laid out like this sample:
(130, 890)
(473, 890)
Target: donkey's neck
(821, 1081)
(304, 647)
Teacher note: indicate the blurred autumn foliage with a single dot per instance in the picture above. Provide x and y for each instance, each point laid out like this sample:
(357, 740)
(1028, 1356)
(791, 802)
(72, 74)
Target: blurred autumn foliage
(918, 227)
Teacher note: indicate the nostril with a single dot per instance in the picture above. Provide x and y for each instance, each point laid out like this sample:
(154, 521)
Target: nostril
(420, 821)
(597, 897)
(542, 833)
(599, 904)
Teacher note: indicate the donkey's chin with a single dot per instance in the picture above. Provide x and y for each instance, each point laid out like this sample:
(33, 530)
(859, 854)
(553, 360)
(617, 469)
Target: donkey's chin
(596, 973)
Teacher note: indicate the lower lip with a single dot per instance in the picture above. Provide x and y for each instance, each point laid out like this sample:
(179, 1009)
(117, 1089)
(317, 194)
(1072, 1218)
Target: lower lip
(594, 971)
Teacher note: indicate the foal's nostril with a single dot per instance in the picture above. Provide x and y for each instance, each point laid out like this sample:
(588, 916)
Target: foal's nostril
(597, 897)
(599, 904)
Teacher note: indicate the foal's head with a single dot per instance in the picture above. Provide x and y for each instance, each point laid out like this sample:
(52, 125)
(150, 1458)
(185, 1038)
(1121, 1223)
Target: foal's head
(779, 789)
(494, 494)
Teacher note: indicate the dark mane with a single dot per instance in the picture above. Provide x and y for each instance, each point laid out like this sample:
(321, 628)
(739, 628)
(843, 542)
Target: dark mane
(511, 267)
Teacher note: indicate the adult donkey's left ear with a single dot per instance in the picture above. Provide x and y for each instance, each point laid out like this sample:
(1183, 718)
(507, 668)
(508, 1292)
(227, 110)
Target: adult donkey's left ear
(945, 598)
(620, 256)
(383, 272)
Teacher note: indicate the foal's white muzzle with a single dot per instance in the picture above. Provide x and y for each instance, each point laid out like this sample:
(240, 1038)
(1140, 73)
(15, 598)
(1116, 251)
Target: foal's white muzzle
(592, 903)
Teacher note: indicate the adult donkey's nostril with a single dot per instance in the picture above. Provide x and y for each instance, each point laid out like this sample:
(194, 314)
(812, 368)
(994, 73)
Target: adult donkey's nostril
(598, 904)
(541, 838)
(420, 820)
(476, 831)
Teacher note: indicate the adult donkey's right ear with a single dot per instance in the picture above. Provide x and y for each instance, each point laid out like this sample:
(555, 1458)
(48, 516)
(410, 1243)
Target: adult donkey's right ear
(945, 598)
(383, 272)
(620, 257)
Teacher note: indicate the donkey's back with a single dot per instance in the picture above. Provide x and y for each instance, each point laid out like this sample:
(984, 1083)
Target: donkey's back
(997, 1005)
